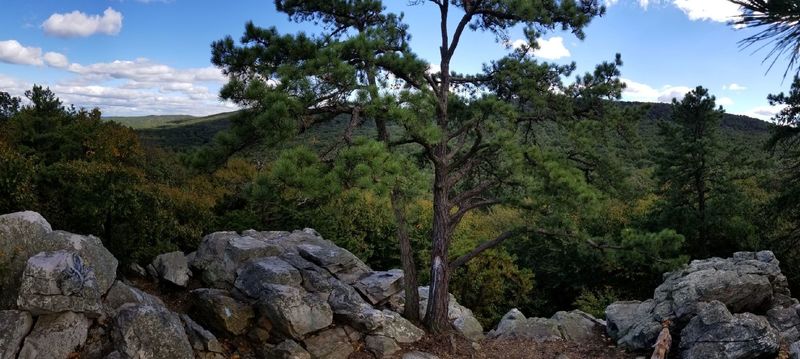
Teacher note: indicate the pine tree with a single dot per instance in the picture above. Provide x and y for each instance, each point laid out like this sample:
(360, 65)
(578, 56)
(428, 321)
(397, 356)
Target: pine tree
(689, 166)
(469, 128)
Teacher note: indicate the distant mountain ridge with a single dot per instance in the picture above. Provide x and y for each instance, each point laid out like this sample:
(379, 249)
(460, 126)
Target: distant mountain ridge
(182, 132)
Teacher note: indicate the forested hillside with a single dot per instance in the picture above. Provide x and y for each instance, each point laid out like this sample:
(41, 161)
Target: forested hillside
(182, 133)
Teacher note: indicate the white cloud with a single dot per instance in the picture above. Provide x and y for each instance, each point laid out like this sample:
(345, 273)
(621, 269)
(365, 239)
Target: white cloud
(712, 10)
(146, 71)
(734, 87)
(12, 52)
(550, 49)
(725, 101)
(78, 24)
(699, 10)
(641, 92)
(54, 59)
(132, 87)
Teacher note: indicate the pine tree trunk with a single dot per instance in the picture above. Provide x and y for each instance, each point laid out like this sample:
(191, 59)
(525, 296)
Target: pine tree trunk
(438, 295)
(411, 309)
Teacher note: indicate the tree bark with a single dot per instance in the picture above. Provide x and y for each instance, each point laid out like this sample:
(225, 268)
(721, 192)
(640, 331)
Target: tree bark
(438, 294)
(411, 308)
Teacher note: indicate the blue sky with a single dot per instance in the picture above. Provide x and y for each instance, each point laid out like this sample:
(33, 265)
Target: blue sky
(138, 57)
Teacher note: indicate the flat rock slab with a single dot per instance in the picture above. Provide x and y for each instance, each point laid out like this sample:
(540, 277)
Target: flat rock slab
(24, 234)
(55, 336)
(379, 286)
(121, 293)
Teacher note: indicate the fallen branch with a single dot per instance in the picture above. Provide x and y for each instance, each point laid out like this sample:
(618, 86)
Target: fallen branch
(663, 343)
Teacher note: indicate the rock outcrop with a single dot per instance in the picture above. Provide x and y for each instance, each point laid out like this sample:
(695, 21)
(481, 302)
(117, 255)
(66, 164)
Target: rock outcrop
(281, 294)
(739, 307)
(575, 326)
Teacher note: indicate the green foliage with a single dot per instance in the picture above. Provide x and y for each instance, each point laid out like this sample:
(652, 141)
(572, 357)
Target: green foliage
(595, 302)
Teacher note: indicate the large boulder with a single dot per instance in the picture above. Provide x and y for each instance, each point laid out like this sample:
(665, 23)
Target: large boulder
(21, 236)
(634, 325)
(14, 326)
(173, 268)
(576, 326)
(93, 253)
(55, 336)
(150, 332)
(746, 282)
(216, 309)
(514, 325)
(716, 333)
(220, 254)
(59, 281)
(24, 234)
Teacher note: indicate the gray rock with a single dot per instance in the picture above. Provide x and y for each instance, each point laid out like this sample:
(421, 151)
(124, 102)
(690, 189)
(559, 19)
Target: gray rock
(98, 343)
(24, 234)
(216, 309)
(220, 254)
(288, 349)
(173, 268)
(254, 278)
(514, 325)
(329, 344)
(203, 342)
(794, 350)
(14, 326)
(150, 332)
(381, 346)
(55, 336)
(59, 281)
(378, 286)
(577, 326)
(419, 355)
(716, 333)
(397, 328)
(786, 321)
(349, 308)
(746, 282)
(342, 264)
(93, 253)
(21, 236)
(462, 318)
(292, 311)
(114, 355)
(121, 293)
